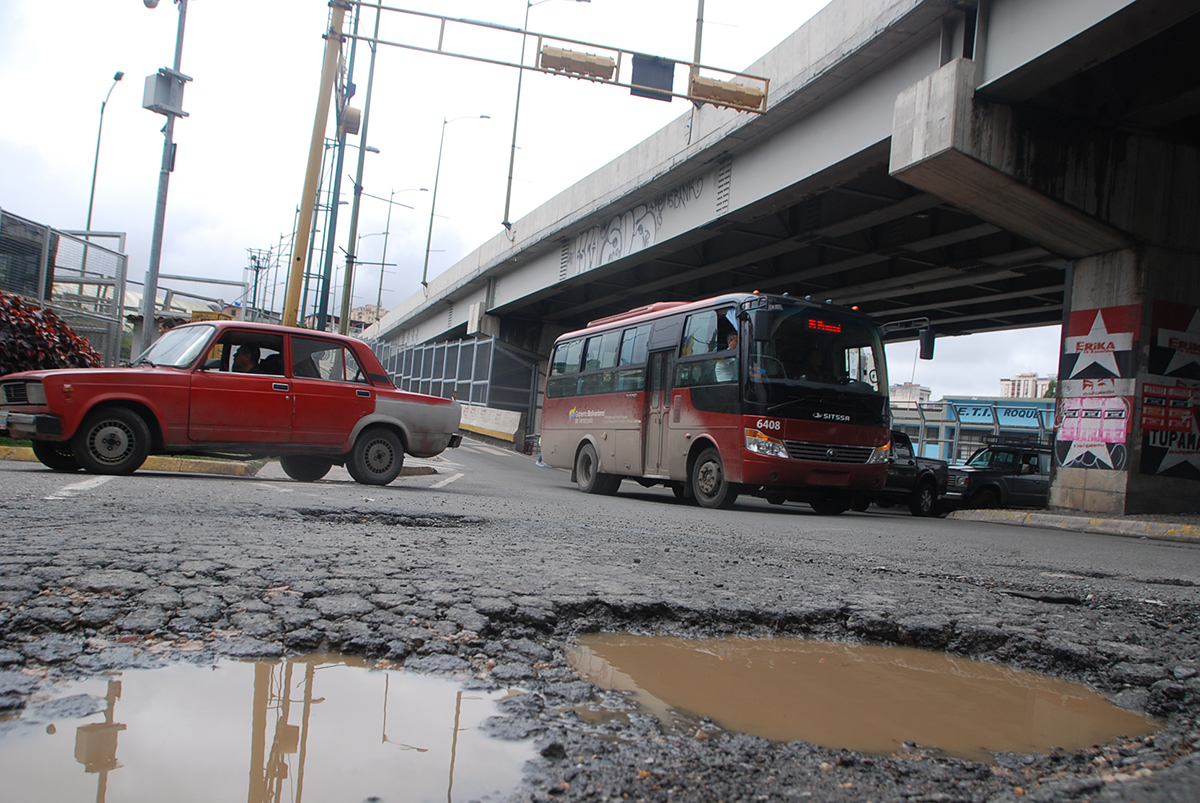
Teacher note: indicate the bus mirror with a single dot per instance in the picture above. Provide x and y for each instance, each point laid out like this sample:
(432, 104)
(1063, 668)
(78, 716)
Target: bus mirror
(927, 338)
(760, 323)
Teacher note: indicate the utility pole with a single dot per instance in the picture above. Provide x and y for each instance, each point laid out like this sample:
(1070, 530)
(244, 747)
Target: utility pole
(333, 41)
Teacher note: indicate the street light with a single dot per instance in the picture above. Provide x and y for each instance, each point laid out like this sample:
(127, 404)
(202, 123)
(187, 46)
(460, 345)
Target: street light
(358, 250)
(164, 95)
(436, 175)
(331, 234)
(386, 230)
(95, 164)
(512, 154)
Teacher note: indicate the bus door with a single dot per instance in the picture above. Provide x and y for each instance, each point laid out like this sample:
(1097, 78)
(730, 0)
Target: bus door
(659, 368)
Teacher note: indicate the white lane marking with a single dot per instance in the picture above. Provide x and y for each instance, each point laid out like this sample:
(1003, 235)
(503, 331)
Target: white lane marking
(75, 488)
(267, 486)
(447, 481)
(483, 447)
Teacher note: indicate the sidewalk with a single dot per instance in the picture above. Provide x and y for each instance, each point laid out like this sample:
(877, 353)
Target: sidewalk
(1184, 527)
(413, 467)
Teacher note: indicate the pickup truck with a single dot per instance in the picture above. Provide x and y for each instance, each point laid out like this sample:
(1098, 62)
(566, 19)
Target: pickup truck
(918, 482)
(1002, 475)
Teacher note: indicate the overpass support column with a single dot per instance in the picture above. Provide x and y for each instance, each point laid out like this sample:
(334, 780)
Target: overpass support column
(1123, 209)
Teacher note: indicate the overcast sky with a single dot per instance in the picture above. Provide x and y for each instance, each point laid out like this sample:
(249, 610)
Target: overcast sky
(242, 149)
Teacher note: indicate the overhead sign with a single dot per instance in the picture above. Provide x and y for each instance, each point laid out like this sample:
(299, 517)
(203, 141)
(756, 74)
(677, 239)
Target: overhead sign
(1008, 415)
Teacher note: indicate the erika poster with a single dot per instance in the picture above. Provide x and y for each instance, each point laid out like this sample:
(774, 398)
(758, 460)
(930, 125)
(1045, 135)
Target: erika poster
(1102, 343)
(1170, 415)
(1099, 364)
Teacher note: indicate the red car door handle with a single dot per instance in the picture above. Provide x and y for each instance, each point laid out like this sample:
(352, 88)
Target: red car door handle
(366, 394)
(279, 386)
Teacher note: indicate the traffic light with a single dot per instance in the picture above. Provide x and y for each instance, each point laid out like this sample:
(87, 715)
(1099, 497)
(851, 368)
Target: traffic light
(575, 63)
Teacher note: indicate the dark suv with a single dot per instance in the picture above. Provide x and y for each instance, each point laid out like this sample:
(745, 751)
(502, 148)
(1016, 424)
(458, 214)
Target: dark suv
(1002, 474)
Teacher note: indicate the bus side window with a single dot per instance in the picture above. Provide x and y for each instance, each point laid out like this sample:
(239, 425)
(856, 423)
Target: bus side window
(700, 334)
(564, 370)
(566, 358)
(634, 343)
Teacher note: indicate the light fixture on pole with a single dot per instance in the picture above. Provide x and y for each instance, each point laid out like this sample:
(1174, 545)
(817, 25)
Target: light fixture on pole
(164, 95)
(96, 163)
(437, 173)
(512, 154)
(386, 230)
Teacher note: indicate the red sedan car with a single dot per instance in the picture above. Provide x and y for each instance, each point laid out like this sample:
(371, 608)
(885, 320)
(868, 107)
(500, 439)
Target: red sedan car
(226, 387)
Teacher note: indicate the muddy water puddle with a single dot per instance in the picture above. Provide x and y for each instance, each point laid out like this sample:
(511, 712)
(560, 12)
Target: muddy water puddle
(321, 727)
(868, 699)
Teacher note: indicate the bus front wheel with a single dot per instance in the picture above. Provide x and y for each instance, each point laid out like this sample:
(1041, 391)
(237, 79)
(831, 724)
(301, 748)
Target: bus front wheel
(588, 476)
(709, 485)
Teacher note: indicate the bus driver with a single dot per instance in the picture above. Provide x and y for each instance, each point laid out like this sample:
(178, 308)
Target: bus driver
(726, 368)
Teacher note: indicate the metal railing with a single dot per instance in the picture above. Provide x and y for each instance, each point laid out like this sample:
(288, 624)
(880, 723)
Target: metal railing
(955, 429)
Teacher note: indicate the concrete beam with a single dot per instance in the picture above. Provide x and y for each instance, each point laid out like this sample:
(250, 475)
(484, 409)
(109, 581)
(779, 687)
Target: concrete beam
(934, 148)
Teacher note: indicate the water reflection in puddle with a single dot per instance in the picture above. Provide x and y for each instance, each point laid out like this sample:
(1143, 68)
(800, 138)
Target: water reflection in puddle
(869, 699)
(321, 727)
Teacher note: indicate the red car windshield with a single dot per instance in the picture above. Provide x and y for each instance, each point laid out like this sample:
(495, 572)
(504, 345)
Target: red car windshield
(177, 348)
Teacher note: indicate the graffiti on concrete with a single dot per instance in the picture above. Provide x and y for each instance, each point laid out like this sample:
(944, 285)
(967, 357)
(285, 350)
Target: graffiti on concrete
(632, 231)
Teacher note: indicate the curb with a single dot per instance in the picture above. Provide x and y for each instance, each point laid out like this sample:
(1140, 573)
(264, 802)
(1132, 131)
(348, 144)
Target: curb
(227, 468)
(1129, 528)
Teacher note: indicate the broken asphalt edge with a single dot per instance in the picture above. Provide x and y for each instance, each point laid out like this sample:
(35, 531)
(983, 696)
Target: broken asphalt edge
(1128, 527)
(228, 468)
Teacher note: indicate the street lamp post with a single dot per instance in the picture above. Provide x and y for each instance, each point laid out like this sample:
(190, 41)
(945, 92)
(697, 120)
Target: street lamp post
(348, 279)
(433, 201)
(358, 250)
(512, 154)
(387, 228)
(175, 79)
(331, 233)
(96, 163)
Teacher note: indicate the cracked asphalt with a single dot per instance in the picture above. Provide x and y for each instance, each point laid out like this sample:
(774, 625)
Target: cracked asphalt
(489, 568)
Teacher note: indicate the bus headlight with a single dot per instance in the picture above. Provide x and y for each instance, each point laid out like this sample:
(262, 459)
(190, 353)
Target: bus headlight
(761, 444)
(881, 454)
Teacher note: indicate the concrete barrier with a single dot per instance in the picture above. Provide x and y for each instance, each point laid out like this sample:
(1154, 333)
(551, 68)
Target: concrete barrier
(502, 425)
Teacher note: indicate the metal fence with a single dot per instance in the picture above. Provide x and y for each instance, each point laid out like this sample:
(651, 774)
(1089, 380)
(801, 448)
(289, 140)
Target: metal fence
(482, 372)
(81, 280)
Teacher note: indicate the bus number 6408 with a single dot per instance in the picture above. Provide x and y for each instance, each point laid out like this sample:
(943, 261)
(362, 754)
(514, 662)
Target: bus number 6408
(764, 423)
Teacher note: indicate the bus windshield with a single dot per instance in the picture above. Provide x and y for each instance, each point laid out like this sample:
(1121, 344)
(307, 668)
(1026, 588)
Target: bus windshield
(809, 351)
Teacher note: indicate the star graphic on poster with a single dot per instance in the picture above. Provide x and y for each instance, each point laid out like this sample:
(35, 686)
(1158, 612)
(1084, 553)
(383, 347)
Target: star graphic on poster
(1185, 450)
(1098, 347)
(1185, 344)
(1082, 448)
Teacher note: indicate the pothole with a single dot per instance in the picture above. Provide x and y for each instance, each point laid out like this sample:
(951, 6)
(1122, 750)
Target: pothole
(321, 727)
(843, 696)
(391, 519)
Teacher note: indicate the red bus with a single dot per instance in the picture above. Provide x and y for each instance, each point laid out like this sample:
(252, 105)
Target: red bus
(769, 396)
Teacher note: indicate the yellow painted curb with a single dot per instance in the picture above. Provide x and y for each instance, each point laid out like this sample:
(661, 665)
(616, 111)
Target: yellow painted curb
(21, 453)
(1130, 528)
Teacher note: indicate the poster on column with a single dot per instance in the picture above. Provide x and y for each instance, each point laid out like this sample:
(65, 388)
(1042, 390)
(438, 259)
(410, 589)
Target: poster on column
(1171, 393)
(1093, 431)
(1174, 340)
(1099, 364)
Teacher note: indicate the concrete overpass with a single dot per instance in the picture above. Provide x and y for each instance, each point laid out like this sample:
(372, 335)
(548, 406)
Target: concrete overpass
(989, 165)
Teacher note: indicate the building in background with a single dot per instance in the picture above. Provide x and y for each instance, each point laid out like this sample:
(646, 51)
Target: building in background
(1025, 386)
(909, 394)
